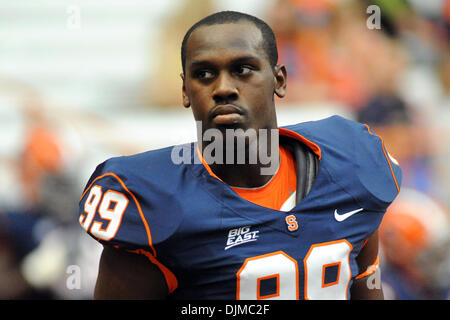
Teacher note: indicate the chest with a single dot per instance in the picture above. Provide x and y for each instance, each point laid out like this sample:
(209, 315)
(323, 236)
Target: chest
(246, 255)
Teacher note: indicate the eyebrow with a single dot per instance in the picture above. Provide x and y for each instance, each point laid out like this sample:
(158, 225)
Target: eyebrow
(246, 58)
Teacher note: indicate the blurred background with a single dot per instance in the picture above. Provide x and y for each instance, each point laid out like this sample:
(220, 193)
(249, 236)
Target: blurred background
(82, 81)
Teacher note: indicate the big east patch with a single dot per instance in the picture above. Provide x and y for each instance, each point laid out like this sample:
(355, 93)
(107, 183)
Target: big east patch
(240, 236)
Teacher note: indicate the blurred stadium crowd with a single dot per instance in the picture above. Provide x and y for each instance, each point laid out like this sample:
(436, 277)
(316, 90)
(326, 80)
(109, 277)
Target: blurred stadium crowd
(82, 81)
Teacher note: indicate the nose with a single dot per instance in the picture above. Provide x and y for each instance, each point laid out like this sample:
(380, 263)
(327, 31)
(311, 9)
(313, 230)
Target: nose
(225, 89)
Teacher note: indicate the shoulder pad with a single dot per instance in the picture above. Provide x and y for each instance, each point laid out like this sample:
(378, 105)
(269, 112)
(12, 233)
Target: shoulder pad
(356, 159)
(125, 205)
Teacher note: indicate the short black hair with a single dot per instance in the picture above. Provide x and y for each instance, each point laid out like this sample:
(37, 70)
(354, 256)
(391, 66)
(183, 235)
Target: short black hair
(223, 17)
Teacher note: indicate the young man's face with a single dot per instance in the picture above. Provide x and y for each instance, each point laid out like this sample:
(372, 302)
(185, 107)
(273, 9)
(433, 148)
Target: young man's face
(228, 80)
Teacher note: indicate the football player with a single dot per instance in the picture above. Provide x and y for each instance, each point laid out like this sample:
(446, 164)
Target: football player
(212, 227)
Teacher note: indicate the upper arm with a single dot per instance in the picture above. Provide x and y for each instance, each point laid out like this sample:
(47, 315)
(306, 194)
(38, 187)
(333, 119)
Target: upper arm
(363, 287)
(126, 275)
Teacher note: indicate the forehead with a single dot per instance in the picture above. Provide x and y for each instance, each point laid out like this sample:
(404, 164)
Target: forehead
(225, 41)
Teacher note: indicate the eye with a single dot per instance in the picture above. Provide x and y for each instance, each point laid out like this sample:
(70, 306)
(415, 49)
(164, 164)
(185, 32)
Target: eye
(243, 70)
(203, 74)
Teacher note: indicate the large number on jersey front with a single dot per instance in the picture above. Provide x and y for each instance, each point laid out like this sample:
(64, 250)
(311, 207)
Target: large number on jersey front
(276, 266)
(112, 206)
(278, 272)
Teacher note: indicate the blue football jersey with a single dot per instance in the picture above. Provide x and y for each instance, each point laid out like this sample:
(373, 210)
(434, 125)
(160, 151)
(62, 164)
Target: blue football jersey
(212, 244)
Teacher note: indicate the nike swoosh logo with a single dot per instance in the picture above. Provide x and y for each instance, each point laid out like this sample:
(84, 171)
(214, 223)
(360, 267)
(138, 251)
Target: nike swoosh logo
(343, 216)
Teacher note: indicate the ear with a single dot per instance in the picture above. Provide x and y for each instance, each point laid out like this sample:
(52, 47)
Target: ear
(280, 77)
(186, 102)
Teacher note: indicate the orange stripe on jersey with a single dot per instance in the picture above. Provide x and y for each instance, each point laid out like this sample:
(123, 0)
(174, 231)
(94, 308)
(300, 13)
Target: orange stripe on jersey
(386, 156)
(172, 282)
(275, 193)
(294, 135)
(200, 156)
(364, 243)
(147, 229)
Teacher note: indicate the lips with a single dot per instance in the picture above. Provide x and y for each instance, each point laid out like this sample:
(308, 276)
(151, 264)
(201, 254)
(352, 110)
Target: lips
(226, 114)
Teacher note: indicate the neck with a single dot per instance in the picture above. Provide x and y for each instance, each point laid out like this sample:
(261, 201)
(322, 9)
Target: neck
(241, 175)
(248, 164)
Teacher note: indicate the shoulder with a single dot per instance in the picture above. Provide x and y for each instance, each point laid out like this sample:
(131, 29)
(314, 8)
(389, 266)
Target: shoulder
(355, 158)
(329, 129)
(129, 200)
(150, 161)
(154, 168)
